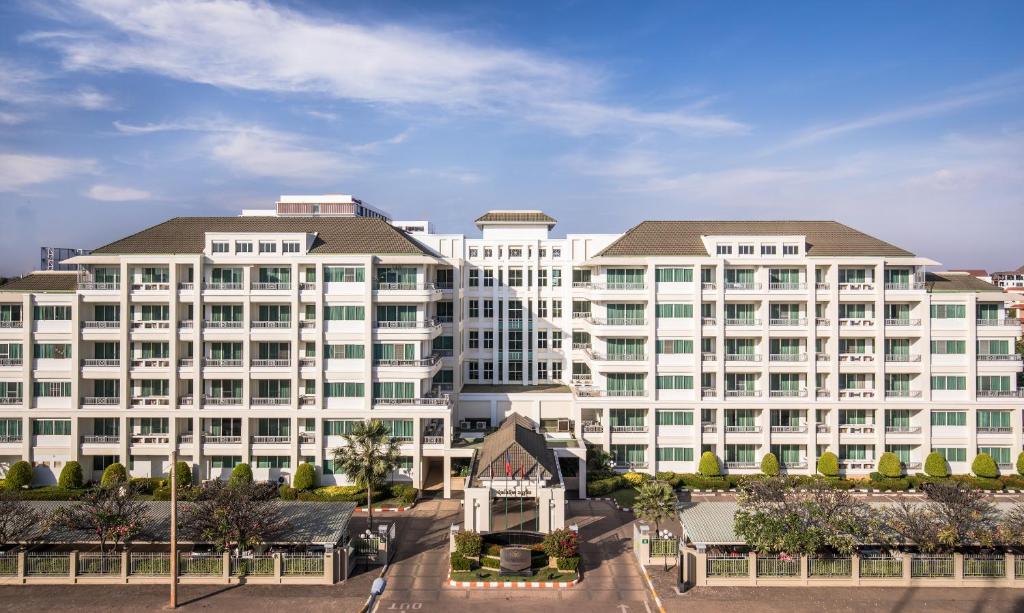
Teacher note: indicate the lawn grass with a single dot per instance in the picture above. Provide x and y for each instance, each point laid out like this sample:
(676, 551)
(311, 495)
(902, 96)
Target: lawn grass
(624, 497)
(491, 574)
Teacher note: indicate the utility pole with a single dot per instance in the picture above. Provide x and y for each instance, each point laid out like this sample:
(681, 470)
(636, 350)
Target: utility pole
(174, 529)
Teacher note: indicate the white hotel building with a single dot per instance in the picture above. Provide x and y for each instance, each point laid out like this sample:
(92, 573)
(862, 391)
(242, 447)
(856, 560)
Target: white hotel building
(262, 338)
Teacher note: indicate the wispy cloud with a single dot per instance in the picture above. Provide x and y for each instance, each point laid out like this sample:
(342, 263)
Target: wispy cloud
(259, 46)
(113, 193)
(971, 95)
(29, 87)
(456, 175)
(376, 146)
(20, 170)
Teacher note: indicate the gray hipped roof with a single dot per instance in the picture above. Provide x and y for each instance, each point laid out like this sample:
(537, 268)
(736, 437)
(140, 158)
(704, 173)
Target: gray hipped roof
(528, 452)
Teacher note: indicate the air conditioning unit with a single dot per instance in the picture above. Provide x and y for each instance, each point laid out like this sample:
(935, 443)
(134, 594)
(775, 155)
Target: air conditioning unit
(563, 425)
(465, 425)
(481, 425)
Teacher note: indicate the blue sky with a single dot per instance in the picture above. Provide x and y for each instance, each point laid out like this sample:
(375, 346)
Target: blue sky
(904, 119)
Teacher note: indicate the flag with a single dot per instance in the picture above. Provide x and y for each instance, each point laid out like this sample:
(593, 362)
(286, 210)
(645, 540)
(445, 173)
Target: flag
(508, 464)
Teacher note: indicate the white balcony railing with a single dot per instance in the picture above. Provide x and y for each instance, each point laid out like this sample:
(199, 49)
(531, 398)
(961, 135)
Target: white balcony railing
(221, 401)
(743, 357)
(151, 325)
(902, 323)
(999, 322)
(742, 429)
(1018, 393)
(272, 324)
(222, 324)
(277, 363)
(426, 323)
(270, 401)
(902, 429)
(787, 357)
(102, 287)
(100, 363)
(263, 286)
(787, 322)
(902, 357)
(271, 440)
(790, 429)
(101, 325)
(222, 286)
(902, 393)
(787, 286)
(733, 285)
(617, 321)
(787, 393)
(217, 439)
(101, 400)
(742, 393)
(747, 321)
(11, 362)
(101, 439)
(221, 363)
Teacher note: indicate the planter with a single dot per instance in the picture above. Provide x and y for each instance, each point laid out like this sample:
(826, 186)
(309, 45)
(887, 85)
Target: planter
(458, 483)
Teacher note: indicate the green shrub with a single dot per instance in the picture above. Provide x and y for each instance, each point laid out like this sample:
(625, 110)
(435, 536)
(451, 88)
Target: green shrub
(603, 487)
(305, 477)
(342, 493)
(461, 562)
(709, 466)
(405, 493)
(162, 493)
(636, 479)
(490, 562)
(51, 492)
(842, 484)
(699, 482)
(1014, 482)
(287, 492)
(182, 473)
(570, 563)
(891, 485)
(70, 476)
(146, 485)
(935, 465)
(673, 479)
(828, 464)
(492, 549)
(468, 543)
(984, 466)
(770, 465)
(114, 474)
(19, 475)
(560, 543)
(889, 465)
(1020, 463)
(240, 474)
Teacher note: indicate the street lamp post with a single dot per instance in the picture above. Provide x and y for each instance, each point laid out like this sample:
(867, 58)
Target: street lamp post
(174, 529)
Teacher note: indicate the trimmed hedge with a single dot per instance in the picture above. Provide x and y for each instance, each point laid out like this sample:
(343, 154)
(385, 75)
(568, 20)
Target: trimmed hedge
(461, 562)
(305, 477)
(935, 465)
(468, 543)
(71, 476)
(19, 475)
(709, 465)
(770, 465)
(343, 493)
(51, 493)
(287, 492)
(636, 479)
(404, 492)
(603, 487)
(984, 466)
(828, 464)
(241, 474)
(490, 562)
(889, 465)
(146, 485)
(673, 479)
(114, 474)
(571, 563)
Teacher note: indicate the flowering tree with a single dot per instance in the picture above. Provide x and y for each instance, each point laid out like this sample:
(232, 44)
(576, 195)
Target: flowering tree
(17, 519)
(241, 515)
(955, 515)
(561, 543)
(113, 513)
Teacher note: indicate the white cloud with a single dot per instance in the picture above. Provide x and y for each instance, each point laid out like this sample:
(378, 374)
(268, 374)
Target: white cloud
(12, 119)
(92, 100)
(24, 86)
(19, 170)
(267, 153)
(259, 46)
(456, 175)
(113, 193)
(375, 146)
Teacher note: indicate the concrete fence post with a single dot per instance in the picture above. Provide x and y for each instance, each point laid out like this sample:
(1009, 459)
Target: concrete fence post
(752, 567)
(855, 568)
(701, 562)
(226, 566)
(805, 565)
(329, 556)
(1011, 567)
(907, 567)
(278, 568)
(958, 568)
(451, 537)
(21, 565)
(124, 566)
(73, 563)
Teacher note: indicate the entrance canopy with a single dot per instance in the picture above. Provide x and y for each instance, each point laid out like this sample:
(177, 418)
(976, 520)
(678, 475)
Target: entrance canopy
(515, 452)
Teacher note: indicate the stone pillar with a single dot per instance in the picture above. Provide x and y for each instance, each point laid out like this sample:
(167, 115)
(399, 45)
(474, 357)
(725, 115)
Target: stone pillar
(73, 565)
(226, 566)
(583, 477)
(447, 474)
(124, 566)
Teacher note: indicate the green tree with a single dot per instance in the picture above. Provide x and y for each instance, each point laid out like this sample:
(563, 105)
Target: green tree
(655, 501)
(305, 477)
(889, 465)
(183, 474)
(828, 464)
(112, 512)
(1020, 463)
(114, 474)
(770, 465)
(70, 475)
(241, 474)
(709, 466)
(242, 514)
(368, 457)
(984, 466)
(18, 521)
(19, 475)
(935, 465)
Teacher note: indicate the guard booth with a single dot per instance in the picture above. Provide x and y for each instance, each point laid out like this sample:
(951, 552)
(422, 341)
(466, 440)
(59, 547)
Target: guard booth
(515, 484)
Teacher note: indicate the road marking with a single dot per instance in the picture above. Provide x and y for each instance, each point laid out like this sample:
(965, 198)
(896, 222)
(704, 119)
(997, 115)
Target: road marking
(647, 607)
(623, 608)
(405, 606)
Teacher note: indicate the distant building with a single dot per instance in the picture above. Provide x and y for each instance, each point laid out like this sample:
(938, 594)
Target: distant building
(50, 258)
(1012, 282)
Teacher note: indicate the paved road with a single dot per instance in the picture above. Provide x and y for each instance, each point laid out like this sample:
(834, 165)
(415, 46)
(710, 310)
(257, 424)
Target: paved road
(611, 578)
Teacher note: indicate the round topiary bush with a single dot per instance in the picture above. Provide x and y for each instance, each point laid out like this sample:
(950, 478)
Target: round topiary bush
(70, 476)
(935, 465)
(708, 466)
(241, 474)
(19, 475)
(889, 465)
(182, 474)
(468, 543)
(1020, 463)
(984, 466)
(114, 474)
(305, 477)
(828, 464)
(770, 465)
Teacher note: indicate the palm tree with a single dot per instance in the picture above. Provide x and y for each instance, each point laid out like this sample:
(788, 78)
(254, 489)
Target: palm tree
(369, 456)
(654, 502)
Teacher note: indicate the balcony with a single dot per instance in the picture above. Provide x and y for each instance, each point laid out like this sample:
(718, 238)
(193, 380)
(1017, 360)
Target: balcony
(822, 429)
(994, 430)
(98, 363)
(856, 428)
(616, 357)
(10, 324)
(628, 429)
(822, 393)
(787, 322)
(151, 401)
(793, 465)
(266, 401)
(593, 427)
(743, 322)
(742, 429)
(102, 401)
(186, 400)
(426, 323)
(630, 465)
(101, 439)
(581, 378)
(307, 400)
(1018, 393)
(856, 357)
(213, 325)
(221, 401)
(100, 287)
(307, 286)
(822, 321)
(307, 324)
(271, 440)
(1014, 323)
(186, 363)
(902, 429)
(733, 285)
(278, 363)
(307, 438)
(186, 287)
(856, 393)
(821, 285)
(787, 286)
(902, 323)
(186, 439)
(262, 286)
(438, 401)
(151, 363)
(743, 357)
(307, 362)
(155, 438)
(865, 286)
(581, 314)
(734, 464)
(709, 428)
(789, 429)
(617, 287)
(821, 357)
(857, 322)
(582, 284)
(617, 321)
(277, 325)
(217, 439)
(865, 464)
(787, 393)
(97, 325)
(423, 362)
(708, 356)
(186, 324)
(595, 392)
(902, 357)
(742, 393)
(708, 321)
(433, 440)
(708, 392)
(787, 357)
(404, 287)
(999, 357)
(708, 285)
(151, 325)
(220, 286)
(7, 362)
(221, 363)
(902, 393)
(151, 287)
(9, 439)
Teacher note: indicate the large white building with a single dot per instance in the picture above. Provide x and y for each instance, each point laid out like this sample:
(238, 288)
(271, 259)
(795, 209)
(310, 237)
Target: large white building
(263, 338)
